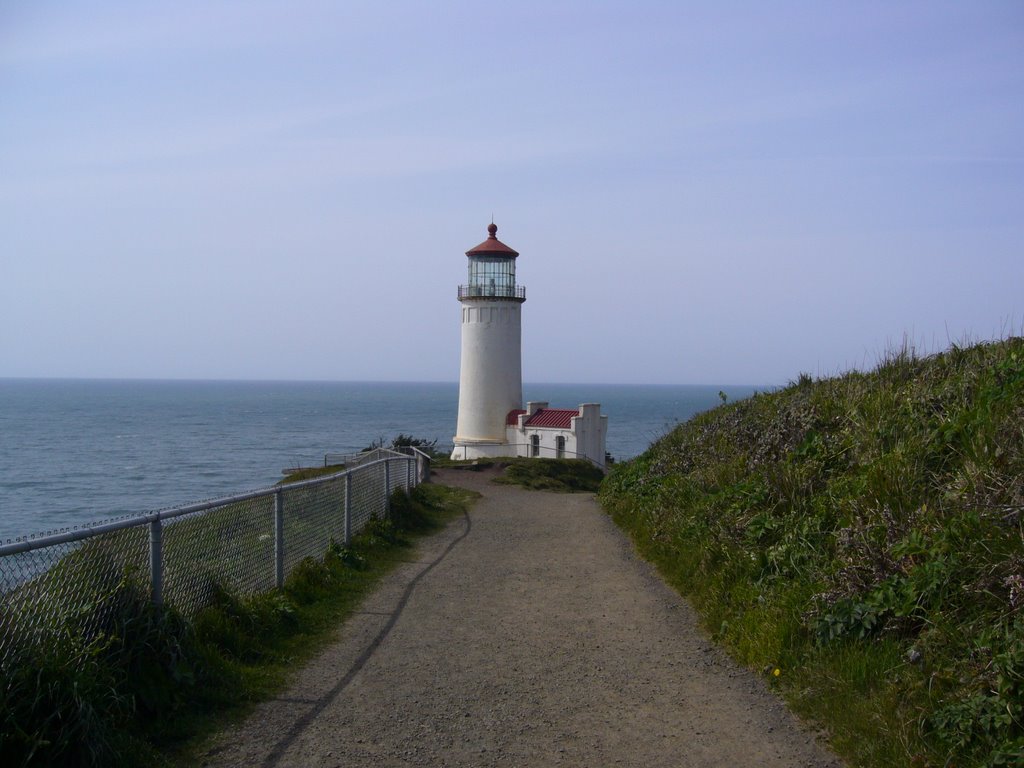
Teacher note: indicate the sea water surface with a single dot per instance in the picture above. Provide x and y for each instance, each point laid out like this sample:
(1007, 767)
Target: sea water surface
(79, 451)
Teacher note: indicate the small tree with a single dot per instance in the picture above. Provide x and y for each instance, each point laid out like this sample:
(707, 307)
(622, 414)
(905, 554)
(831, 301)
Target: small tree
(429, 447)
(403, 440)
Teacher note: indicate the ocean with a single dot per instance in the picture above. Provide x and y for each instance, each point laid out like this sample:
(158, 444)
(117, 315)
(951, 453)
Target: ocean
(78, 451)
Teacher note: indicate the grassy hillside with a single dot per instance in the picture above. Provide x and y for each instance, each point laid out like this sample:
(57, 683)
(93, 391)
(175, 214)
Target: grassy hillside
(859, 540)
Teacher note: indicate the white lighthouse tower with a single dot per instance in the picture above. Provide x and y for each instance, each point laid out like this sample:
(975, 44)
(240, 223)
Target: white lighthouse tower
(491, 373)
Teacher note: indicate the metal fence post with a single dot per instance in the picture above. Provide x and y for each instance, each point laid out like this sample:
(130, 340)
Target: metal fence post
(156, 561)
(408, 473)
(387, 486)
(279, 539)
(348, 508)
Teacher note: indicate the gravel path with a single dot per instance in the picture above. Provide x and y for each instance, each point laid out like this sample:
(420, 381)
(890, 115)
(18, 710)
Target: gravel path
(526, 634)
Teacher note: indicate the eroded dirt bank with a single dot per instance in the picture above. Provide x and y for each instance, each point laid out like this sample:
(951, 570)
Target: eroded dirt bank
(527, 634)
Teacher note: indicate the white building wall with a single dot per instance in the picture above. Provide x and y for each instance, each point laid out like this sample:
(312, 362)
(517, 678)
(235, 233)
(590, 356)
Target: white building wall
(490, 376)
(548, 442)
(586, 438)
(591, 431)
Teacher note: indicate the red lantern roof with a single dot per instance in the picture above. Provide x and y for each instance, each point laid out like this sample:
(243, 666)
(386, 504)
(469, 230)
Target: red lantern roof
(492, 246)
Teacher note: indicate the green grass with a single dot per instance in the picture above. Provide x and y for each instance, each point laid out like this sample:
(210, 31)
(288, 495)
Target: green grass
(863, 535)
(148, 686)
(559, 475)
(308, 473)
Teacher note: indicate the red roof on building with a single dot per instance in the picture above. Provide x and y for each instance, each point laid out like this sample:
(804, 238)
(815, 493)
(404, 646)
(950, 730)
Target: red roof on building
(492, 246)
(557, 418)
(512, 420)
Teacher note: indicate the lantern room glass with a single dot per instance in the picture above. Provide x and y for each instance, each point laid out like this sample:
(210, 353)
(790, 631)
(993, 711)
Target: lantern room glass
(492, 276)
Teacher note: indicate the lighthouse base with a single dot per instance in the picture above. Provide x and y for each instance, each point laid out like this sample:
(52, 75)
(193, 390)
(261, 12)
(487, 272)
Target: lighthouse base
(480, 449)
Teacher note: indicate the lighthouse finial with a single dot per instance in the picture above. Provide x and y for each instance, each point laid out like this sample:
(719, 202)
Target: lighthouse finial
(492, 229)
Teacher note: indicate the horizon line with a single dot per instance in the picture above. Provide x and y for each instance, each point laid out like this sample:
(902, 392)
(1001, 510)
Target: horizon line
(455, 383)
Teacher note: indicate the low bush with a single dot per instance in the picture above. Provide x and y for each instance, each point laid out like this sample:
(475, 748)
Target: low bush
(77, 697)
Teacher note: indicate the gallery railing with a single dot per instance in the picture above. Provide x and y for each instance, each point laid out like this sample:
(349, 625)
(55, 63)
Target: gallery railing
(513, 292)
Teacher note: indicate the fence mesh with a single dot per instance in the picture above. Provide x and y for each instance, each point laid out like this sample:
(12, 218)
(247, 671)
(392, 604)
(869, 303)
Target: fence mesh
(229, 546)
(78, 585)
(367, 495)
(313, 517)
(75, 589)
(396, 476)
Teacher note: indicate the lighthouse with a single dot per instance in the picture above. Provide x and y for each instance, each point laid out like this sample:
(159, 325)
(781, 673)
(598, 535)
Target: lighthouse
(492, 420)
(491, 372)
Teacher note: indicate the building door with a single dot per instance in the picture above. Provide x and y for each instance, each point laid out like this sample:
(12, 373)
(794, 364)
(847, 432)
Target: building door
(535, 445)
(560, 447)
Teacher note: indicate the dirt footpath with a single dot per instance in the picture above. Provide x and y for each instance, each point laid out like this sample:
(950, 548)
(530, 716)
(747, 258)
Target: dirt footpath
(526, 634)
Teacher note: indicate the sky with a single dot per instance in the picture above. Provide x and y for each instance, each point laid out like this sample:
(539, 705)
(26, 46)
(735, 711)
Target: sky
(701, 193)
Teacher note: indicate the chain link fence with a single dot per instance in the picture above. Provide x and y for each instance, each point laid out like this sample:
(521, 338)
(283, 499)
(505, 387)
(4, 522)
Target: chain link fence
(76, 581)
(350, 460)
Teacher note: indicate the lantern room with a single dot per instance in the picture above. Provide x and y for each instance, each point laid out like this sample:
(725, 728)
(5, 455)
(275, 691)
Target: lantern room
(492, 271)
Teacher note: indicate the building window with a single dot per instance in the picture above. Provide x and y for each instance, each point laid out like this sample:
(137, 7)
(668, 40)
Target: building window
(535, 445)
(560, 447)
